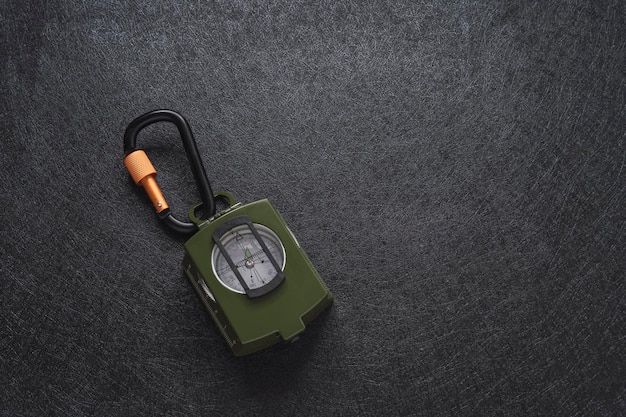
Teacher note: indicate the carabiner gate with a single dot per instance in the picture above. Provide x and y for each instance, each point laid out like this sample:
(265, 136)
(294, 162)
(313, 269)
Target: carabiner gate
(143, 173)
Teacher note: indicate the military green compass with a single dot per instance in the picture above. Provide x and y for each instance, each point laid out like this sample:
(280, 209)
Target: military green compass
(249, 270)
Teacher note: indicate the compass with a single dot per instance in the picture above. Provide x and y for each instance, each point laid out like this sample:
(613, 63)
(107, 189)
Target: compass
(250, 272)
(248, 258)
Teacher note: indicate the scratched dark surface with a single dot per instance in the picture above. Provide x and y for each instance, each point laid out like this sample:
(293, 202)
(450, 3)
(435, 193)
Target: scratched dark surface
(455, 171)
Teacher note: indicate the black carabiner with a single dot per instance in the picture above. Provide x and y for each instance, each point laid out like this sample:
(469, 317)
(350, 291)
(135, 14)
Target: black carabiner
(144, 173)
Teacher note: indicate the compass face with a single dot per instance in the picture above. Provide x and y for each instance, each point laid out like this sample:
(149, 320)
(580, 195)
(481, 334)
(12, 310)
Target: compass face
(241, 254)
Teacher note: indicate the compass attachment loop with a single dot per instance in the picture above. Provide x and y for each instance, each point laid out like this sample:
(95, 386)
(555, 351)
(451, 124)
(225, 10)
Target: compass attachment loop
(220, 197)
(144, 174)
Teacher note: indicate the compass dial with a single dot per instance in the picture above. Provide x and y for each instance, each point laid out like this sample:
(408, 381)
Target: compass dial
(246, 258)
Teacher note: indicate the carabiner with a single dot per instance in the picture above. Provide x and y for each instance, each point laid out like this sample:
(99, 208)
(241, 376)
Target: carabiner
(144, 174)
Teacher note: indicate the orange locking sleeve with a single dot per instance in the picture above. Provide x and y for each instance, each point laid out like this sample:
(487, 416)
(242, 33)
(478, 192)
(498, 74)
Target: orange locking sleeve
(140, 168)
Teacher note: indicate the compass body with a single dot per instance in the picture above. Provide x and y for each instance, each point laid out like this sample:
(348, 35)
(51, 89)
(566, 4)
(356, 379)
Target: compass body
(257, 283)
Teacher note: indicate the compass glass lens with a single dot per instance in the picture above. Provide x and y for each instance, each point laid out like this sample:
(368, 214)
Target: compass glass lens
(248, 257)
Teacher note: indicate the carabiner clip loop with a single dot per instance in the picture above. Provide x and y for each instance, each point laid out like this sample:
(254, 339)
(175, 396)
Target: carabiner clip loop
(144, 174)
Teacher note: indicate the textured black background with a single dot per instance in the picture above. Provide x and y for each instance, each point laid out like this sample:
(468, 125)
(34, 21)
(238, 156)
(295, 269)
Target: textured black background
(454, 169)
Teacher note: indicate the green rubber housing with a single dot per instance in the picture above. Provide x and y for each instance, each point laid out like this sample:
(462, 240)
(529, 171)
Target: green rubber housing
(251, 324)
